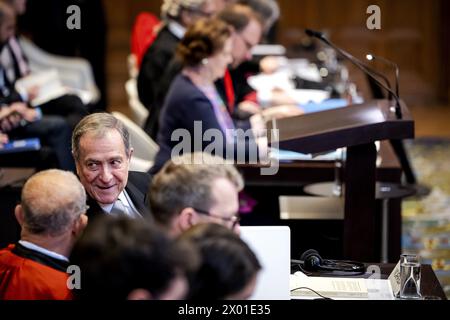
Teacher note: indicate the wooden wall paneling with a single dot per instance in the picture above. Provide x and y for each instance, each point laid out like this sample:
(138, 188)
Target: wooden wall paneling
(414, 34)
(408, 36)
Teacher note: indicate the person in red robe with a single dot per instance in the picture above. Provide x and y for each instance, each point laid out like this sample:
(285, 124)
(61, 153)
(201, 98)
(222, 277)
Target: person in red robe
(51, 216)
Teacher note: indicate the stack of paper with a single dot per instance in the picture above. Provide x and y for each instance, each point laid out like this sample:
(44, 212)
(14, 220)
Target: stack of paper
(328, 287)
(47, 84)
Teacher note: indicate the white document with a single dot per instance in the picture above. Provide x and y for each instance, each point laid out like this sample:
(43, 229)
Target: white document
(330, 287)
(280, 80)
(47, 83)
(340, 288)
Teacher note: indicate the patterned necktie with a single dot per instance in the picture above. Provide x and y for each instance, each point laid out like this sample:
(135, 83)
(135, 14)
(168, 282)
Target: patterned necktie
(118, 208)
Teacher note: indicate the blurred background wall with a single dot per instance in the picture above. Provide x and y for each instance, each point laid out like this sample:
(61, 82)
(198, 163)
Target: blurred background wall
(414, 33)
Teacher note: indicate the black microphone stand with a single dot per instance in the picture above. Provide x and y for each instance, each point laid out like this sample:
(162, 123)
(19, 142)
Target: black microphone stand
(397, 145)
(364, 68)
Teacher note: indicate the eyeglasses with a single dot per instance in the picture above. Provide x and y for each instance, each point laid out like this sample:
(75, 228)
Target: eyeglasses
(234, 220)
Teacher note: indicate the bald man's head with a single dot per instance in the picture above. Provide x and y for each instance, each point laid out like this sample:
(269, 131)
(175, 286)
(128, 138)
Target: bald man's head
(51, 201)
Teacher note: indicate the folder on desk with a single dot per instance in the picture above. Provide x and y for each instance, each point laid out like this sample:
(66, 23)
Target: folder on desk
(48, 83)
(30, 144)
(328, 104)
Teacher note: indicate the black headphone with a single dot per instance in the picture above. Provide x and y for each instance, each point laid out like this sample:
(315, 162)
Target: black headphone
(311, 260)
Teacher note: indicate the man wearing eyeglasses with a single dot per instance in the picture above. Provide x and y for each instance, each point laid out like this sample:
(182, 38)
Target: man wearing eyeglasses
(233, 88)
(248, 19)
(195, 188)
(51, 216)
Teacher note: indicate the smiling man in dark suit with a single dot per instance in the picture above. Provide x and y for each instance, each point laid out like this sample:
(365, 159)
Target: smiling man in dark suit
(102, 152)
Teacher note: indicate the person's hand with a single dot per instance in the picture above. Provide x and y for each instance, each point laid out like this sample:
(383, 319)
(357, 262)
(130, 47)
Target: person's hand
(269, 64)
(283, 111)
(249, 106)
(33, 92)
(10, 119)
(281, 97)
(3, 139)
(29, 114)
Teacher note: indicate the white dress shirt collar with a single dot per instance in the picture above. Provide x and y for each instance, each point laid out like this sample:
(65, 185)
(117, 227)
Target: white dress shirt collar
(126, 201)
(177, 29)
(37, 248)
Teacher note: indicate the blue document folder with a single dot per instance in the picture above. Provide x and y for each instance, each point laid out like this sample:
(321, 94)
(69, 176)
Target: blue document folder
(328, 104)
(14, 146)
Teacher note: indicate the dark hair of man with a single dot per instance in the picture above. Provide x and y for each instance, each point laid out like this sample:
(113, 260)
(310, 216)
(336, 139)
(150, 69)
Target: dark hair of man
(228, 264)
(267, 9)
(202, 40)
(239, 16)
(118, 254)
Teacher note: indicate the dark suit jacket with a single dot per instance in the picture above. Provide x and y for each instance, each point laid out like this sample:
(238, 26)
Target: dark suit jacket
(154, 63)
(137, 188)
(184, 105)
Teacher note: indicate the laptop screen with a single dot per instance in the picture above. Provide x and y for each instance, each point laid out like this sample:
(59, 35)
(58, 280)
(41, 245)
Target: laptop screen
(272, 246)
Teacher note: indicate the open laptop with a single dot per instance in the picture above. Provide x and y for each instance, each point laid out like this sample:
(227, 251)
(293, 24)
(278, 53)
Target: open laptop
(272, 246)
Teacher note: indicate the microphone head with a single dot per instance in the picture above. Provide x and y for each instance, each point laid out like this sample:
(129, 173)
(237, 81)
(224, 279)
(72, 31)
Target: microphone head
(315, 34)
(370, 57)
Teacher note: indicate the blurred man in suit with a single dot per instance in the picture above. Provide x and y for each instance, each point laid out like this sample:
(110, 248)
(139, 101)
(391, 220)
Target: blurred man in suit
(51, 215)
(124, 258)
(177, 15)
(195, 188)
(53, 130)
(102, 152)
(15, 66)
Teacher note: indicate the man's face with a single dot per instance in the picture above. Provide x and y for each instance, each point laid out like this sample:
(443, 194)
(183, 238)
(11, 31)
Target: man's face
(103, 165)
(226, 204)
(244, 41)
(7, 28)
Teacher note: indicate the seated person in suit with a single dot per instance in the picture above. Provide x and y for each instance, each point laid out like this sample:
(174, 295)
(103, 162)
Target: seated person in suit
(177, 15)
(14, 66)
(193, 109)
(18, 121)
(102, 152)
(249, 19)
(123, 258)
(51, 215)
(229, 268)
(195, 188)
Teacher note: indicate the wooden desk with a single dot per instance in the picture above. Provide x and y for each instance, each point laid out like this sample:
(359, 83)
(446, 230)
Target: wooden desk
(293, 176)
(429, 283)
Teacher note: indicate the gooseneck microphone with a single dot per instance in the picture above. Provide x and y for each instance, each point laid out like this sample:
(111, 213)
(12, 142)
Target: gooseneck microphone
(360, 65)
(371, 57)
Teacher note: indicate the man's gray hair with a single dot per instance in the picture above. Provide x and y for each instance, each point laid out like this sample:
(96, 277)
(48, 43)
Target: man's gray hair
(186, 181)
(98, 124)
(172, 8)
(51, 201)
